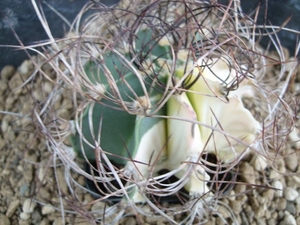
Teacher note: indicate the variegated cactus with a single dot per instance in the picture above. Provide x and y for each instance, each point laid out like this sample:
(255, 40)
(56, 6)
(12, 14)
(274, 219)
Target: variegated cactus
(162, 108)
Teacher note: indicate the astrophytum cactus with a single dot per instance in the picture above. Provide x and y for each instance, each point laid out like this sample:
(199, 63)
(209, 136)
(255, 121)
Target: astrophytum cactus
(161, 108)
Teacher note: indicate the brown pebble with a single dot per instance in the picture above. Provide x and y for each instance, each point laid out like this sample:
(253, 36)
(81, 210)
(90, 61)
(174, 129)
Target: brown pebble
(4, 220)
(130, 221)
(3, 86)
(291, 162)
(26, 68)
(12, 208)
(248, 173)
(7, 72)
(15, 82)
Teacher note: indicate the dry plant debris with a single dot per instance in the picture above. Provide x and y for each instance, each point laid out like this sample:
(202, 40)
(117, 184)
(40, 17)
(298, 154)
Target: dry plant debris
(33, 184)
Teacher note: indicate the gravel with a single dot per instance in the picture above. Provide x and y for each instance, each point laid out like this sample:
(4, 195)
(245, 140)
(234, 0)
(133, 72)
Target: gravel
(28, 187)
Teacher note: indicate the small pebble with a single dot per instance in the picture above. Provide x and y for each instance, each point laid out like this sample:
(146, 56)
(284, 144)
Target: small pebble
(281, 204)
(268, 195)
(25, 67)
(4, 220)
(290, 194)
(15, 83)
(291, 161)
(98, 206)
(4, 126)
(261, 221)
(24, 190)
(259, 163)
(296, 180)
(28, 205)
(288, 220)
(12, 208)
(248, 173)
(279, 186)
(58, 221)
(290, 207)
(130, 221)
(48, 87)
(48, 209)
(7, 72)
(260, 211)
(271, 221)
(224, 212)
(236, 206)
(36, 217)
(24, 216)
(297, 200)
(3, 86)
(38, 96)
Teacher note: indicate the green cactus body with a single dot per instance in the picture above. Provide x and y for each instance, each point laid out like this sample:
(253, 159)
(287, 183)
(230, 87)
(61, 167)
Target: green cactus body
(119, 136)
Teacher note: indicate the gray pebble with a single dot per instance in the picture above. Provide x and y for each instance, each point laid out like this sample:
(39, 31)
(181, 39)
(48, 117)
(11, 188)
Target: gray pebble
(244, 219)
(290, 207)
(271, 221)
(36, 217)
(24, 190)
(281, 215)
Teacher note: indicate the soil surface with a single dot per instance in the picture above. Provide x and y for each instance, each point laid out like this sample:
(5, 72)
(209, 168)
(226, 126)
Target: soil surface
(28, 185)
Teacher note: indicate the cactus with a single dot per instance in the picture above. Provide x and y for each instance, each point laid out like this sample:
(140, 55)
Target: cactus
(175, 135)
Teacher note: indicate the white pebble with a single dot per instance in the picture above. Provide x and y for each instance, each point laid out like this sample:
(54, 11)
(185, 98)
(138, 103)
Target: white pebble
(279, 186)
(24, 216)
(290, 194)
(48, 209)
(28, 205)
(288, 220)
